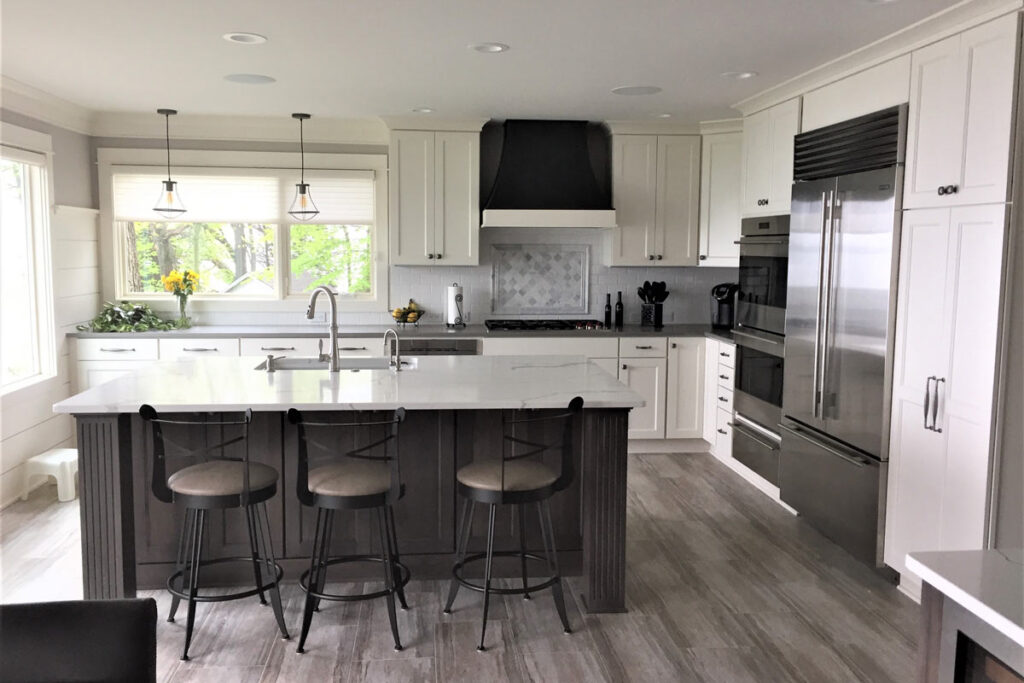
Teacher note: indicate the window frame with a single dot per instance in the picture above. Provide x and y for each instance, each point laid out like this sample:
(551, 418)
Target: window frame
(35, 148)
(115, 160)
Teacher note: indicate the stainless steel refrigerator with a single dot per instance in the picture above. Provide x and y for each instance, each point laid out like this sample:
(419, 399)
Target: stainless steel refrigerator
(843, 254)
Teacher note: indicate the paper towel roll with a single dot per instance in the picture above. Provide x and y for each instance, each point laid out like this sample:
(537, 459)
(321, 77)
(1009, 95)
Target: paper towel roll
(453, 308)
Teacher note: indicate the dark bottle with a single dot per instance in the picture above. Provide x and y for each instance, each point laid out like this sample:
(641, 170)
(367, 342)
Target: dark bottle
(618, 312)
(608, 310)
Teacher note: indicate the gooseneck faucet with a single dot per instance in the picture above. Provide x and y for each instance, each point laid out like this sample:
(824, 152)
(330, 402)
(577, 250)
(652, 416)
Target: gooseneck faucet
(391, 349)
(311, 311)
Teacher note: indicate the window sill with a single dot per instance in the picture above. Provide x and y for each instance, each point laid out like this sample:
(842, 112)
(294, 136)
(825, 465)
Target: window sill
(26, 383)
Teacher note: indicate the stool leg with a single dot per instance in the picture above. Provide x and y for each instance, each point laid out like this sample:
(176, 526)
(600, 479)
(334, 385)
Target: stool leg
(313, 578)
(389, 576)
(460, 552)
(487, 574)
(325, 554)
(389, 513)
(250, 523)
(193, 587)
(268, 557)
(522, 548)
(552, 556)
(184, 542)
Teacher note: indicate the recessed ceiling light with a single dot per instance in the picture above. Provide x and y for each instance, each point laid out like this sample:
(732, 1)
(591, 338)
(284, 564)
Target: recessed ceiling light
(738, 75)
(636, 90)
(250, 79)
(489, 47)
(243, 38)
(663, 116)
(422, 110)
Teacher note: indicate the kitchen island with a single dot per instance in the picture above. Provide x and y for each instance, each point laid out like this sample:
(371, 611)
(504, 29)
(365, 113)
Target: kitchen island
(454, 404)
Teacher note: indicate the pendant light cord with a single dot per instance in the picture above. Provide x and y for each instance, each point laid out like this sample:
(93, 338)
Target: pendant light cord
(167, 139)
(302, 156)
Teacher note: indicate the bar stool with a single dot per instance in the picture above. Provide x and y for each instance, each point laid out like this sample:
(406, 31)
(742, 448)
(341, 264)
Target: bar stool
(515, 480)
(218, 482)
(353, 479)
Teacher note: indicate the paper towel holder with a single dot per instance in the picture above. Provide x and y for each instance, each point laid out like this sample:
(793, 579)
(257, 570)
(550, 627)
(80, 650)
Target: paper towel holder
(453, 315)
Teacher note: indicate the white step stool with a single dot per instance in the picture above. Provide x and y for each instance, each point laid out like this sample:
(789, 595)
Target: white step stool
(59, 463)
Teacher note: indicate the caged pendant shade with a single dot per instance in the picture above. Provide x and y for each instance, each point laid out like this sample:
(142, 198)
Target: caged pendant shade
(168, 204)
(302, 208)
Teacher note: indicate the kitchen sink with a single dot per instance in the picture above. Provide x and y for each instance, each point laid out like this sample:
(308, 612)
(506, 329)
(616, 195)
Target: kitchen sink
(350, 364)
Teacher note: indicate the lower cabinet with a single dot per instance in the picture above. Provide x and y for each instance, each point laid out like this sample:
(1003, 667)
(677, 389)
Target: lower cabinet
(723, 434)
(646, 376)
(684, 409)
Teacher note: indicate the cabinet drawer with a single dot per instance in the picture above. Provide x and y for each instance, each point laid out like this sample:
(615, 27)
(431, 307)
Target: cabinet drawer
(643, 347)
(552, 346)
(723, 434)
(725, 376)
(117, 349)
(279, 346)
(727, 355)
(171, 349)
(724, 399)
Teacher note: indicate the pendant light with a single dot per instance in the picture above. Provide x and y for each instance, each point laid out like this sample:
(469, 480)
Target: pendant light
(168, 204)
(303, 208)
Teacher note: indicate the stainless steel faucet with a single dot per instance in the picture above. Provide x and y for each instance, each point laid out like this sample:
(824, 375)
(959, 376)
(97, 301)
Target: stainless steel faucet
(311, 311)
(392, 349)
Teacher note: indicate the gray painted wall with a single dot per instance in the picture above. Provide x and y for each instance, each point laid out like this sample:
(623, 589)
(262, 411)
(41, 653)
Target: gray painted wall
(74, 173)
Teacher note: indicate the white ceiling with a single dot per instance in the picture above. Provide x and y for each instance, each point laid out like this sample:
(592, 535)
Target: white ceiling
(359, 58)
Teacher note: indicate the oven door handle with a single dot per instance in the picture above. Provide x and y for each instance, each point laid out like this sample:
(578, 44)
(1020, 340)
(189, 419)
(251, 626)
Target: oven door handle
(764, 240)
(753, 436)
(756, 337)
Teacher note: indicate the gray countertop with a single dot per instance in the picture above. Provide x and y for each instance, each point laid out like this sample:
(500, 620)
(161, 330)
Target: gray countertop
(412, 331)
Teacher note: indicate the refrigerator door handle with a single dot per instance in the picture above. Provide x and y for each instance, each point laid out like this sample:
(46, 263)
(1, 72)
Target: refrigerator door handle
(852, 459)
(935, 405)
(826, 314)
(927, 399)
(826, 218)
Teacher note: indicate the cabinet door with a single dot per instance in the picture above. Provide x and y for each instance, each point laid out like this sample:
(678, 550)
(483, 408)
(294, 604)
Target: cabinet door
(646, 376)
(677, 200)
(684, 402)
(961, 105)
(723, 434)
(634, 182)
(757, 162)
(709, 396)
(966, 396)
(720, 169)
(785, 120)
(412, 197)
(457, 199)
(92, 373)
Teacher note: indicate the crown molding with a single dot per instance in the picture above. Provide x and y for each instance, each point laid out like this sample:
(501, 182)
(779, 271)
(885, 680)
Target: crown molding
(28, 101)
(240, 128)
(950, 21)
(721, 126)
(423, 122)
(659, 127)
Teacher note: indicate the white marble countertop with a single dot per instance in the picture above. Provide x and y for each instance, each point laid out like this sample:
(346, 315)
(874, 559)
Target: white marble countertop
(437, 382)
(987, 583)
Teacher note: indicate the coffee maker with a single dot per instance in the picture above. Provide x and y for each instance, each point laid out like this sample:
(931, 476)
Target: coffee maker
(723, 305)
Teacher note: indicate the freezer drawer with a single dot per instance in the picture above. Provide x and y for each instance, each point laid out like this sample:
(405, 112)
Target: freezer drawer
(756, 449)
(835, 489)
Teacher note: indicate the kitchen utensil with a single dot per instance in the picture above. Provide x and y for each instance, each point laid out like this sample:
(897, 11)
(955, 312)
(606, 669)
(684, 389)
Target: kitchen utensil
(640, 293)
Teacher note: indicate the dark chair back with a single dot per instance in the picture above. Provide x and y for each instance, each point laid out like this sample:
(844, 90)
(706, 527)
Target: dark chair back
(78, 640)
(373, 438)
(561, 433)
(179, 446)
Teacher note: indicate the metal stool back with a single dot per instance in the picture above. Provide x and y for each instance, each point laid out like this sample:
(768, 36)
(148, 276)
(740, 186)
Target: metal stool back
(516, 480)
(364, 475)
(215, 481)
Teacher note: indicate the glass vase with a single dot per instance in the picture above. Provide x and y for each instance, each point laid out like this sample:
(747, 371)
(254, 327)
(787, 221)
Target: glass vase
(183, 319)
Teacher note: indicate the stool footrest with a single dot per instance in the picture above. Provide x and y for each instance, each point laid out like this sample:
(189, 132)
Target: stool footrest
(459, 566)
(227, 596)
(403, 578)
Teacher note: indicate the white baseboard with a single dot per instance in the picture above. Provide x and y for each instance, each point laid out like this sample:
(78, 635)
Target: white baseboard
(910, 586)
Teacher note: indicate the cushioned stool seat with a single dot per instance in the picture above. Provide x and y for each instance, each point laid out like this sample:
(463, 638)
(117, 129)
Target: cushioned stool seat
(350, 478)
(220, 478)
(520, 475)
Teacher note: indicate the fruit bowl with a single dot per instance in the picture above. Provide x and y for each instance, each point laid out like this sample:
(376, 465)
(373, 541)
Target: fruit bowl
(411, 314)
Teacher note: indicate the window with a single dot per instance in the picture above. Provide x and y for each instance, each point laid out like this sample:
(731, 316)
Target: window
(26, 322)
(236, 233)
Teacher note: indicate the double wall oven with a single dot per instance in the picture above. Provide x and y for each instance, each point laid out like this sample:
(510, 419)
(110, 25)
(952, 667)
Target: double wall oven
(759, 334)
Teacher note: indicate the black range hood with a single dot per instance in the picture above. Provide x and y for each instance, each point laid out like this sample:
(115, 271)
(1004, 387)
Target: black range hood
(545, 179)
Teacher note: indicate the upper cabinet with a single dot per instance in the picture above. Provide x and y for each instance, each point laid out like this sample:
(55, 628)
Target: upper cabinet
(768, 159)
(961, 109)
(721, 161)
(656, 185)
(434, 198)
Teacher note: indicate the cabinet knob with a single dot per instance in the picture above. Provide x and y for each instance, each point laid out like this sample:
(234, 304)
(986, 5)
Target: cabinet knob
(942, 190)
(660, 257)
(675, 346)
(430, 256)
(439, 257)
(650, 257)
(623, 366)
(952, 189)
(703, 257)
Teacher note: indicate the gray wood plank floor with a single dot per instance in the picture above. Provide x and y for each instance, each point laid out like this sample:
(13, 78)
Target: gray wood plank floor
(723, 585)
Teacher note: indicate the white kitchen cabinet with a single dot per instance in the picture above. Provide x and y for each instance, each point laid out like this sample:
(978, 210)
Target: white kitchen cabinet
(720, 171)
(309, 346)
(943, 380)
(91, 373)
(606, 347)
(710, 414)
(723, 434)
(684, 401)
(645, 376)
(434, 198)
(103, 359)
(961, 118)
(656, 190)
(193, 347)
(767, 176)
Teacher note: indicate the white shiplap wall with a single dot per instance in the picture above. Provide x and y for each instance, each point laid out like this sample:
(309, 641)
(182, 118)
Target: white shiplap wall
(29, 425)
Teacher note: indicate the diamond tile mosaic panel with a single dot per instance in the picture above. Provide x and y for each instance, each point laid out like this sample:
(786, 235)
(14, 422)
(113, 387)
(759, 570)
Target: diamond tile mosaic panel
(540, 278)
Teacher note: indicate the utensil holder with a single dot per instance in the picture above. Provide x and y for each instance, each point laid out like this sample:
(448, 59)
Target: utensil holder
(651, 315)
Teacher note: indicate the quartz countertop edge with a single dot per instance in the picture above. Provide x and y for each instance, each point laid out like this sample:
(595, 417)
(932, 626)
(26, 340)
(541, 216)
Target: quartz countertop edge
(987, 583)
(435, 383)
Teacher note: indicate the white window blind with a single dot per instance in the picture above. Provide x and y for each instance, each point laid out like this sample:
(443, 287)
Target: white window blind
(244, 195)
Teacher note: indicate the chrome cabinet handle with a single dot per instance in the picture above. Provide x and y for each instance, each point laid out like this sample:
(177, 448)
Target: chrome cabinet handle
(722, 431)
(852, 459)
(935, 405)
(199, 349)
(644, 348)
(723, 353)
(351, 348)
(116, 350)
(927, 399)
(277, 348)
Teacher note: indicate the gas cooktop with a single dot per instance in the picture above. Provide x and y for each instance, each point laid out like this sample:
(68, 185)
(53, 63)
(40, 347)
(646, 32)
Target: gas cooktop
(534, 325)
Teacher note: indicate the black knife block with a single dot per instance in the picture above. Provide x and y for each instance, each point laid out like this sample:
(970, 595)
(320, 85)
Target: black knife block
(651, 315)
